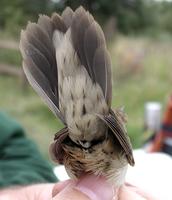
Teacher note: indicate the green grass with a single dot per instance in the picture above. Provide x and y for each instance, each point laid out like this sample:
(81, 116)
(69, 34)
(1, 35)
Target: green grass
(29, 110)
(151, 83)
(10, 56)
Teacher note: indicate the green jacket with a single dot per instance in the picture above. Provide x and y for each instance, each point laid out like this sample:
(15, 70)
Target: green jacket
(20, 161)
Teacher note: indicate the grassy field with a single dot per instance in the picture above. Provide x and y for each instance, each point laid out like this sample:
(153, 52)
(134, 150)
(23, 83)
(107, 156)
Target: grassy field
(141, 72)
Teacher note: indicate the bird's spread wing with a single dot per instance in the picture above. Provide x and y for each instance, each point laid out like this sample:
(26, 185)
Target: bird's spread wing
(115, 125)
(80, 38)
(39, 60)
(89, 42)
(40, 53)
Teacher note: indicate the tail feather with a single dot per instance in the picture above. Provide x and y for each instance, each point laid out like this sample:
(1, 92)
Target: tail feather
(58, 23)
(40, 64)
(87, 38)
(67, 16)
(41, 84)
(46, 24)
(67, 46)
(79, 26)
(101, 65)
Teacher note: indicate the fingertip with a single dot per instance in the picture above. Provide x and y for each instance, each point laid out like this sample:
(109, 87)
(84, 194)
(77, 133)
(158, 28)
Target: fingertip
(96, 188)
(88, 187)
(126, 192)
(58, 187)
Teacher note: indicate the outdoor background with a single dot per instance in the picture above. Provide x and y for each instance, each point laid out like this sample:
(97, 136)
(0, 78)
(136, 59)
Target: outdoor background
(139, 37)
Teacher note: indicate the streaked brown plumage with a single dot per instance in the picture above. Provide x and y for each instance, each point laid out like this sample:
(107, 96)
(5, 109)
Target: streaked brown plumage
(66, 60)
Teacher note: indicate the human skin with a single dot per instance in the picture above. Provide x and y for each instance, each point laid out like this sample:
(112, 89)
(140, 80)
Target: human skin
(87, 188)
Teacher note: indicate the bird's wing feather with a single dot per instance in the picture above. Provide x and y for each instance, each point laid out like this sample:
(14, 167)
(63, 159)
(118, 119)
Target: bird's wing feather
(114, 123)
(40, 64)
(67, 16)
(56, 150)
(41, 85)
(58, 23)
(102, 66)
(88, 38)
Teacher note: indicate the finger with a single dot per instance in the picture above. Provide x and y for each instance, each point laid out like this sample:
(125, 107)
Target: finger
(140, 192)
(58, 187)
(70, 193)
(87, 188)
(146, 195)
(126, 193)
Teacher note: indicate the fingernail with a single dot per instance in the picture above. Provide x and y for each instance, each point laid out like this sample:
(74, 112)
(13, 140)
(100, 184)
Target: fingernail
(96, 188)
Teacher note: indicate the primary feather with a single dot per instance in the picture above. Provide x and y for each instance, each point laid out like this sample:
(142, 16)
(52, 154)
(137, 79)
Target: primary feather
(39, 60)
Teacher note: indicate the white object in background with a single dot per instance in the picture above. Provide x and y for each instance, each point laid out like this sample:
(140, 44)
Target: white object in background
(152, 173)
(61, 173)
(152, 116)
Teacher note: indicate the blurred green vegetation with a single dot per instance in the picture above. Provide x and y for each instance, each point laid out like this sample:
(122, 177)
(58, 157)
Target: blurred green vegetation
(132, 16)
(140, 51)
(10, 56)
(27, 108)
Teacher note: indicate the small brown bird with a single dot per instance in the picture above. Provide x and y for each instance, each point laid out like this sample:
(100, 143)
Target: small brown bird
(66, 60)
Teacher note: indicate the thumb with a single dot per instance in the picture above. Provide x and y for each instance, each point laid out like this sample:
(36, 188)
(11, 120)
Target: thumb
(87, 188)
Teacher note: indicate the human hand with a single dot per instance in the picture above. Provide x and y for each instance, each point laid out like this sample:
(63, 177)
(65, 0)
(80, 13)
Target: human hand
(30, 192)
(87, 188)
(93, 188)
(128, 191)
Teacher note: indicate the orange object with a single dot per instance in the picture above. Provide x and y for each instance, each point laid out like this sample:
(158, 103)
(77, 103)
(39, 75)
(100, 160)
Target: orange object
(166, 129)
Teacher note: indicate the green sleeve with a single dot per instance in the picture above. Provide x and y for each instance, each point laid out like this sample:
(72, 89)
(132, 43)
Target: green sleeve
(20, 161)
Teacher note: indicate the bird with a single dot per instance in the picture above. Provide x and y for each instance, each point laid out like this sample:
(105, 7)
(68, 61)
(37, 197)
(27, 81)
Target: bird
(66, 61)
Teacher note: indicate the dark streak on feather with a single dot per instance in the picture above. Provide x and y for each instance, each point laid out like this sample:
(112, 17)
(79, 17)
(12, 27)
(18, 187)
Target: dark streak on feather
(98, 98)
(105, 152)
(91, 150)
(64, 59)
(88, 123)
(103, 110)
(76, 125)
(62, 74)
(73, 113)
(107, 166)
(86, 81)
(84, 96)
(60, 89)
(79, 162)
(71, 94)
(83, 109)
